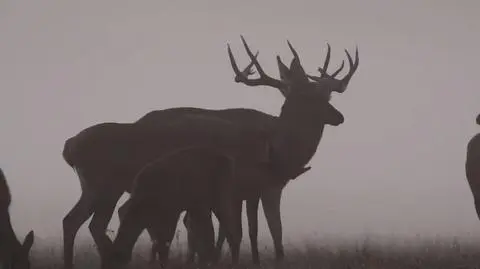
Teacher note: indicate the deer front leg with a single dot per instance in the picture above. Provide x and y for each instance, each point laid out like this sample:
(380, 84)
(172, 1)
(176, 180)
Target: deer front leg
(122, 210)
(229, 216)
(271, 207)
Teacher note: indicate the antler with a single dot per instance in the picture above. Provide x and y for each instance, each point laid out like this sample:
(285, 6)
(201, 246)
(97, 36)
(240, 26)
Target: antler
(343, 83)
(263, 80)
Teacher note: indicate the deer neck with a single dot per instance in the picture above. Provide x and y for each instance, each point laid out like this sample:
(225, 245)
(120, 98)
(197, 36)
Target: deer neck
(297, 137)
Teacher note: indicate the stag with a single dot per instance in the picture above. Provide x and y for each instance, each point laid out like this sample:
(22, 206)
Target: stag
(197, 179)
(258, 120)
(283, 163)
(279, 147)
(472, 167)
(13, 254)
(254, 119)
(298, 130)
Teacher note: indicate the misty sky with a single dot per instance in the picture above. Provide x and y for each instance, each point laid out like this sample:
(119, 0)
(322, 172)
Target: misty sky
(395, 166)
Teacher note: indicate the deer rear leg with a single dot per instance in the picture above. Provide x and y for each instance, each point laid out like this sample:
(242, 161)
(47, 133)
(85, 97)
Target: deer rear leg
(104, 208)
(271, 207)
(252, 216)
(78, 215)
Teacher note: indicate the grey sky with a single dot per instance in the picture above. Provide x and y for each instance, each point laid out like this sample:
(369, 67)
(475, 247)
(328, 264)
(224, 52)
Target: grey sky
(395, 166)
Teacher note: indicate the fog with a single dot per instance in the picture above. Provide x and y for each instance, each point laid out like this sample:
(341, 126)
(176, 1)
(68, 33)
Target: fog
(396, 166)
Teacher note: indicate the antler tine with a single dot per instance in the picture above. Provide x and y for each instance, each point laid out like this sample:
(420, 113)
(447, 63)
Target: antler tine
(263, 80)
(353, 68)
(248, 70)
(294, 52)
(342, 84)
(252, 57)
(327, 60)
(338, 70)
(325, 74)
(240, 75)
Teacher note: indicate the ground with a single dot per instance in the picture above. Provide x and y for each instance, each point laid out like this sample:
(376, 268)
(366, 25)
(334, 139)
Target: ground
(422, 254)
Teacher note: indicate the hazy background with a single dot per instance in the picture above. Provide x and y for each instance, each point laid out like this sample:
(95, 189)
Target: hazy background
(396, 166)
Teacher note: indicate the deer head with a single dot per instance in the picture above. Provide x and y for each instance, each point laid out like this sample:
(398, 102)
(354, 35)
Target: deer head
(306, 109)
(21, 255)
(296, 80)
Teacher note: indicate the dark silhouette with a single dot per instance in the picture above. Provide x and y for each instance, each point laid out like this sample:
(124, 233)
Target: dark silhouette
(13, 254)
(271, 197)
(251, 119)
(107, 157)
(196, 179)
(106, 167)
(472, 167)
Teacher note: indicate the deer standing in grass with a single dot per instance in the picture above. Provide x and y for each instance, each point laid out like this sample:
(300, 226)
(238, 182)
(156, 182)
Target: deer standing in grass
(13, 254)
(196, 179)
(271, 197)
(298, 131)
(109, 155)
(472, 167)
(277, 166)
(253, 119)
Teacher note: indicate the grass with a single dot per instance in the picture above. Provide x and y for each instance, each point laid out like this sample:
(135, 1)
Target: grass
(399, 254)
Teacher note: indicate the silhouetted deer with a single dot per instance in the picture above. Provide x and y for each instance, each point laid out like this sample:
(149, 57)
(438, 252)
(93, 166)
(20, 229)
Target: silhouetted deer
(196, 179)
(107, 157)
(252, 119)
(13, 254)
(297, 131)
(324, 86)
(472, 167)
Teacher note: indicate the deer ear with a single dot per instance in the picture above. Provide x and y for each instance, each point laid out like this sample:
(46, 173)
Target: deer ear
(283, 69)
(28, 242)
(297, 72)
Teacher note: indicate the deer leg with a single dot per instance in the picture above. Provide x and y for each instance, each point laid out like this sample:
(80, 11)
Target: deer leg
(153, 252)
(271, 207)
(219, 244)
(192, 240)
(104, 208)
(163, 229)
(233, 230)
(252, 215)
(121, 214)
(78, 215)
(202, 228)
